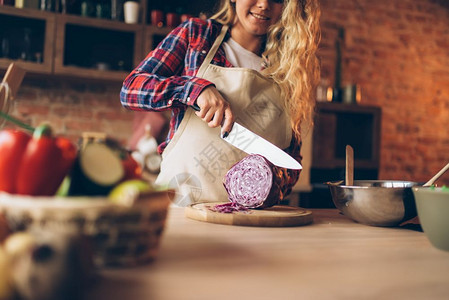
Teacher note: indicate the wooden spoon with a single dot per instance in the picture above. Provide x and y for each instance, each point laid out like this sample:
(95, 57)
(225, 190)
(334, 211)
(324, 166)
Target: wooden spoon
(435, 178)
(13, 77)
(349, 166)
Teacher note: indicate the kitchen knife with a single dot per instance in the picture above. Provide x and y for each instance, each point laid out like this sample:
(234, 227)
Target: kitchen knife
(249, 142)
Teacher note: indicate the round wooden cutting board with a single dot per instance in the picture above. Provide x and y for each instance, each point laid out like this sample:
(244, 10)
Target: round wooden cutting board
(276, 216)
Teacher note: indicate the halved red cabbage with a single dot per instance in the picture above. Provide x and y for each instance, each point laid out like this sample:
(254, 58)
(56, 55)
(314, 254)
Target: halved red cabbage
(253, 182)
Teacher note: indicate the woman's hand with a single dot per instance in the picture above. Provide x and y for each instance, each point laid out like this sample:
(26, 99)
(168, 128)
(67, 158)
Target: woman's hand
(215, 110)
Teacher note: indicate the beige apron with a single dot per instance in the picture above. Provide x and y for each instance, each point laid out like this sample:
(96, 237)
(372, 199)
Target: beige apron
(196, 159)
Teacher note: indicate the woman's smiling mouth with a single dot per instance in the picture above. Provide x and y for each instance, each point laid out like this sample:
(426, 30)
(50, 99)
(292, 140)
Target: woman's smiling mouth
(259, 17)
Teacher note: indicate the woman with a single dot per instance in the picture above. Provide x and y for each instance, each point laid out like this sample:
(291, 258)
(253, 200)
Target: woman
(253, 62)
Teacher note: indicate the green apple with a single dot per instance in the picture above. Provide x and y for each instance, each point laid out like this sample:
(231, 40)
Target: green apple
(126, 192)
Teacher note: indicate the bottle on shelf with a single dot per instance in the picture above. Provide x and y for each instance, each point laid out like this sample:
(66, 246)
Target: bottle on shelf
(4, 50)
(48, 5)
(102, 9)
(26, 45)
(87, 8)
(117, 10)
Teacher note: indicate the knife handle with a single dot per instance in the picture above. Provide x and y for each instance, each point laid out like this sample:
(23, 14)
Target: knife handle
(195, 107)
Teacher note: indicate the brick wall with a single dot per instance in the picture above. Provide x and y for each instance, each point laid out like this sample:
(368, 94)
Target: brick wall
(396, 50)
(73, 107)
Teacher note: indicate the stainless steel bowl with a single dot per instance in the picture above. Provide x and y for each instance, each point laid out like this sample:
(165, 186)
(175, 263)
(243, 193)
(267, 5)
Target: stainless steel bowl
(376, 202)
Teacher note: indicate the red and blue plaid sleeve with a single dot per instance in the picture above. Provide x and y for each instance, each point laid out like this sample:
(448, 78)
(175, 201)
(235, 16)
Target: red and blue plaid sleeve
(164, 79)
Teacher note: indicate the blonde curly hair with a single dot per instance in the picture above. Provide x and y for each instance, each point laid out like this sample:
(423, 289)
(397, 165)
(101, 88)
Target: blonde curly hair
(290, 55)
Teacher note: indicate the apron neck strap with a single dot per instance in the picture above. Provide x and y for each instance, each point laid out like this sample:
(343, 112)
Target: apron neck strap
(212, 51)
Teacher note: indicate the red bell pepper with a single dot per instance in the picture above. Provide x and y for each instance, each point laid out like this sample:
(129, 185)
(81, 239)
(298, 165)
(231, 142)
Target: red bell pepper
(34, 165)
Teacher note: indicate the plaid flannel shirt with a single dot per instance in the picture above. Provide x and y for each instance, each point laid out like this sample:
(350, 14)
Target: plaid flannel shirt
(165, 79)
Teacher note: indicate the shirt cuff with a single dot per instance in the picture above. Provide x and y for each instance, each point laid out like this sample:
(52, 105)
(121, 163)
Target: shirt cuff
(194, 89)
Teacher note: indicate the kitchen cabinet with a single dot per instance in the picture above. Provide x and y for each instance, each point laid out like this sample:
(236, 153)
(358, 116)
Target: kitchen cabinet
(337, 125)
(92, 48)
(68, 44)
(27, 37)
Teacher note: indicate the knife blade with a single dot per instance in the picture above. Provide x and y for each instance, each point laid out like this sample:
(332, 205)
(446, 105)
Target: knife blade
(251, 143)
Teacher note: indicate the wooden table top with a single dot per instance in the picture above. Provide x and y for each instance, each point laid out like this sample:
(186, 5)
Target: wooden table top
(333, 258)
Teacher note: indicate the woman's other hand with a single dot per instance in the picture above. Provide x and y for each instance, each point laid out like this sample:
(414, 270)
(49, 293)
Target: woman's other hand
(215, 110)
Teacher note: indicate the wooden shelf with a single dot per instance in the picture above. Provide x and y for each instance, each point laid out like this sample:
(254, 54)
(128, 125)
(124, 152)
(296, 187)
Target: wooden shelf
(25, 12)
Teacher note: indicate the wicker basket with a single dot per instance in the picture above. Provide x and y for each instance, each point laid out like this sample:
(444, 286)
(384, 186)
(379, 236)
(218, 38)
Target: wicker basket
(119, 235)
